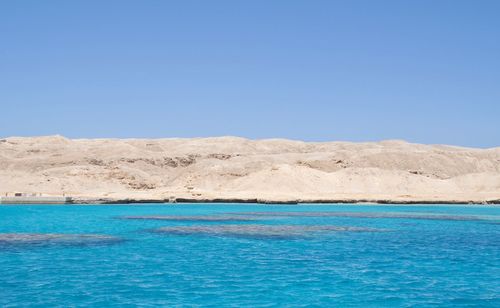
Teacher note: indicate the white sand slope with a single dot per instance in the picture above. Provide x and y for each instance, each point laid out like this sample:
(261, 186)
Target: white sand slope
(237, 168)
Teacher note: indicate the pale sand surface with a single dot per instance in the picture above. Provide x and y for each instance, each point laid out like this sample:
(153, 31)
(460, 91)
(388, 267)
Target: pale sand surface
(241, 169)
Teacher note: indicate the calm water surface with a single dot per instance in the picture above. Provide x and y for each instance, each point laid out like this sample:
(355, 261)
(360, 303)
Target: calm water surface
(407, 258)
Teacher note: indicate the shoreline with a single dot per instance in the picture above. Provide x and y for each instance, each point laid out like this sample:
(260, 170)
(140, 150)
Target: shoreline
(183, 200)
(104, 201)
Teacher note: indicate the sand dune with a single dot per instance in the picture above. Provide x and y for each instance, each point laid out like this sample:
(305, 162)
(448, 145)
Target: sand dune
(238, 168)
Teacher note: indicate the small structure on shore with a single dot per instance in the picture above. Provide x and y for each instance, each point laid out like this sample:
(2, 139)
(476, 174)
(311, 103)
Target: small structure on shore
(33, 198)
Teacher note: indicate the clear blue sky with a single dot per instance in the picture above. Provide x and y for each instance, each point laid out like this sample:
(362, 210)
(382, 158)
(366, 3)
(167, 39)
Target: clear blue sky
(424, 71)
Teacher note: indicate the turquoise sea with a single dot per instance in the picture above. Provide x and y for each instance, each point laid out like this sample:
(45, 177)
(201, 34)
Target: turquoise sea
(209, 255)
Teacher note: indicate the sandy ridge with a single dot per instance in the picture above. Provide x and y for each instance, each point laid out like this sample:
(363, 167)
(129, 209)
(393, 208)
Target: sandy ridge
(243, 170)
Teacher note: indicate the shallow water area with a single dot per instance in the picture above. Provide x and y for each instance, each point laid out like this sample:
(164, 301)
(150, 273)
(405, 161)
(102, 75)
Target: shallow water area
(427, 216)
(259, 231)
(196, 258)
(198, 218)
(37, 239)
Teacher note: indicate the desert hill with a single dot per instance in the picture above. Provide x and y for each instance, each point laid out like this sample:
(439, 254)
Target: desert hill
(243, 169)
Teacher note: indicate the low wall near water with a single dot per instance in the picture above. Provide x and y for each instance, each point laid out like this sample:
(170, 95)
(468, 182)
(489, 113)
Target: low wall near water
(35, 200)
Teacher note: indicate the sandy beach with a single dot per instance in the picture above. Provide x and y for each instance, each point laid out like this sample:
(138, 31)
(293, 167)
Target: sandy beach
(242, 170)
